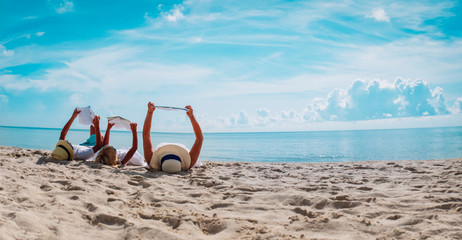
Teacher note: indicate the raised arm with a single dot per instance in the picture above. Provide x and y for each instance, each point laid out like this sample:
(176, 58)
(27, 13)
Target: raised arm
(92, 129)
(147, 143)
(134, 145)
(107, 134)
(68, 125)
(196, 149)
(99, 140)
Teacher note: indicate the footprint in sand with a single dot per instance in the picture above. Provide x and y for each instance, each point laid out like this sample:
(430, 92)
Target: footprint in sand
(305, 213)
(62, 182)
(108, 220)
(411, 221)
(365, 188)
(46, 188)
(245, 197)
(195, 195)
(205, 183)
(114, 199)
(74, 188)
(345, 204)
(250, 189)
(114, 187)
(344, 201)
(171, 221)
(221, 205)
(394, 217)
(335, 215)
(298, 201)
(211, 226)
(224, 178)
(91, 207)
(67, 186)
(321, 204)
(138, 181)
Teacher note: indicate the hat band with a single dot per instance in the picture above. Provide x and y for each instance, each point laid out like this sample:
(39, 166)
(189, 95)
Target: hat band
(67, 151)
(169, 157)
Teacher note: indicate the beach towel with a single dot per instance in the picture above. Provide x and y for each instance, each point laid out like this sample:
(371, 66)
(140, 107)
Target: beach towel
(86, 115)
(120, 122)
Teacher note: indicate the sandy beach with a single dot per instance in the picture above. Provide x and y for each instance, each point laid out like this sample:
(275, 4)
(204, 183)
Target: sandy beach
(42, 198)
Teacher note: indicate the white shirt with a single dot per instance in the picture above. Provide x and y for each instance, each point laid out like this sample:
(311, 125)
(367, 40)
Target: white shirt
(82, 152)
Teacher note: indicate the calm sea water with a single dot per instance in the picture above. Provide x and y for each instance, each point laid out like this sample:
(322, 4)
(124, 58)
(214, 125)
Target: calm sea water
(328, 146)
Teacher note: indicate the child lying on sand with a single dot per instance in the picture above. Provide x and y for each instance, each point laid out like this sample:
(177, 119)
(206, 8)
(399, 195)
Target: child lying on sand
(121, 157)
(66, 151)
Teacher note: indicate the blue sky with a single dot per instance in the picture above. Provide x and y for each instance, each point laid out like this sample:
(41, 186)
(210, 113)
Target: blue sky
(242, 65)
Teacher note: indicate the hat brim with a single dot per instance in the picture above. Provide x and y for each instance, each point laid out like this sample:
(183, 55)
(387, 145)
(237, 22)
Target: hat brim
(171, 149)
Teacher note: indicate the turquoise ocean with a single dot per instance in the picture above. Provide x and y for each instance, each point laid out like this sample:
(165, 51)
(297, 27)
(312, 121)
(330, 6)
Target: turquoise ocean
(316, 146)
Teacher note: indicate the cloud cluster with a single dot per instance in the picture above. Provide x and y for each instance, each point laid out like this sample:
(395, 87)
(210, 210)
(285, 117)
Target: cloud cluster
(5, 52)
(377, 99)
(379, 15)
(362, 100)
(175, 14)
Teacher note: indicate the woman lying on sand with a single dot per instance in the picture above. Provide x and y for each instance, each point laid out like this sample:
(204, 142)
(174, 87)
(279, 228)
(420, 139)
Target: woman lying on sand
(171, 157)
(121, 157)
(66, 151)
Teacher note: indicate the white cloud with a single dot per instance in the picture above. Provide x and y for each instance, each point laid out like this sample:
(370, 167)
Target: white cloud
(196, 40)
(6, 52)
(263, 112)
(39, 34)
(379, 15)
(3, 99)
(175, 14)
(76, 99)
(62, 6)
(457, 107)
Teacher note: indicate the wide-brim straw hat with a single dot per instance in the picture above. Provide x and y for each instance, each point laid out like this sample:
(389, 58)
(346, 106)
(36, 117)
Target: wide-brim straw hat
(171, 158)
(63, 151)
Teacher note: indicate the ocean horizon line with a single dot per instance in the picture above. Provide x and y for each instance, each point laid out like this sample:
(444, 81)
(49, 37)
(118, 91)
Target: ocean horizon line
(238, 132)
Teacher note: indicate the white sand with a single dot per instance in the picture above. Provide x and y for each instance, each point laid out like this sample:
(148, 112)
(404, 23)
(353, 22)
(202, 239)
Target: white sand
(46, 199)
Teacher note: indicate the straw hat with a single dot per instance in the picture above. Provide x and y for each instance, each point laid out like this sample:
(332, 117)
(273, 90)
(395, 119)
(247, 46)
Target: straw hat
(63, 151)
(171, 158)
